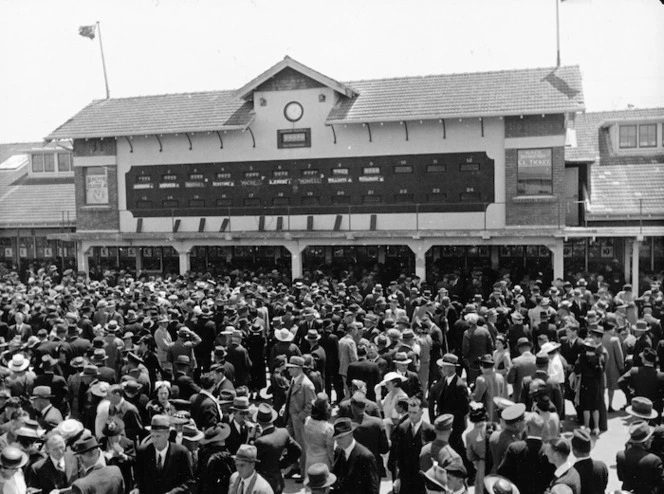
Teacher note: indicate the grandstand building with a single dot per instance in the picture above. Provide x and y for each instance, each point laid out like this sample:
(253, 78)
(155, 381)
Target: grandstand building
(492, 170)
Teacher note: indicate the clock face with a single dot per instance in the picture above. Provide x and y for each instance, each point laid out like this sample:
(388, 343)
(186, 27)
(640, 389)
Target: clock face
(293, 111)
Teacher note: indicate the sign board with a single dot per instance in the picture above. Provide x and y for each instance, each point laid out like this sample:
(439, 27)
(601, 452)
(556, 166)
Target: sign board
(48, 252)
(96, 186)
(9, 252)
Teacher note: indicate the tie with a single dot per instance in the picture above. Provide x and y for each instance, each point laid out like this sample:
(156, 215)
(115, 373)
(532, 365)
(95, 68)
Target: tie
(241, 490)
(160, 463)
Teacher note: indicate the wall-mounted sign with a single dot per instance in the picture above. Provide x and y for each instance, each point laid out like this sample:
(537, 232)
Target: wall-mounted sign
(23, 252)
(96, 185)
(9, 252)
(48, 252)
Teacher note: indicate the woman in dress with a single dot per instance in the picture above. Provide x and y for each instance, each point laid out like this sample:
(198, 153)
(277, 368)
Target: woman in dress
(501, 356)
(388, 405)
(590, 367)
(161, 405)
(318, 431)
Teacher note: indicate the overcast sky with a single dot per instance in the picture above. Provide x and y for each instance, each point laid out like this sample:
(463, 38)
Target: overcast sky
(48, 72)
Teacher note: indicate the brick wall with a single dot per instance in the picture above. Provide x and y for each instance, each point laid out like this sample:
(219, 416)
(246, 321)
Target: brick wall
(546, 211)
(96, 217)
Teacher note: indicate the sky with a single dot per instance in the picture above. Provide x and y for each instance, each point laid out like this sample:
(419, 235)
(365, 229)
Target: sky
(48, 72)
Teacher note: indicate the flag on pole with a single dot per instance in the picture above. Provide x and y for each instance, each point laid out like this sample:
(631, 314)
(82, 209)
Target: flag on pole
(87, 31)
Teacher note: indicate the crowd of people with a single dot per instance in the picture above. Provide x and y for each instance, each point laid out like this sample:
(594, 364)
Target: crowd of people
(234, 383)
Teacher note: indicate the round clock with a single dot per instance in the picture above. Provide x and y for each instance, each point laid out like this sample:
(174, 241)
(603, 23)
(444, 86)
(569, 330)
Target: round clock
(293, 111)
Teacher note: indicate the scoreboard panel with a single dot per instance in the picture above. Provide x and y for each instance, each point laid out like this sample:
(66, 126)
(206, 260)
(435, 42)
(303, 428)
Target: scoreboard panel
(453, 182)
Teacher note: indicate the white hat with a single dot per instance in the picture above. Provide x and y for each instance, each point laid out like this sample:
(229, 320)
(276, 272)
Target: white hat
(284, 334)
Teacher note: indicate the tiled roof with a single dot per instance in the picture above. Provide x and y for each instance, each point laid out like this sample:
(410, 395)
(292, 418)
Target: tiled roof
(510, 92)
(10, 149)
(513, 92)
(587, 130)
(165, 114)
(627, 189)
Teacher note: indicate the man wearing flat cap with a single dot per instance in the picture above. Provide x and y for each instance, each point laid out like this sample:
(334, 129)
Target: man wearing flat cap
(97, 477)
(431, 451)
(593, 473)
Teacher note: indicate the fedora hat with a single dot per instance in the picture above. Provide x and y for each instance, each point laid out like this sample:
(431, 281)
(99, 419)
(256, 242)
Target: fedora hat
(216, 434)
(42, 392)
(640, 431)
(112, 326)
(487, 359)
(448, 359)
(391, 376)
(319, 476)
(100, 389)
(641, 325)
(70, 428)
(402, 358)
(444, 422)
(191, 433)
(641, 407)
(98, 356)
(179, 418)
(85, 444)
(495, 484)
(240, 403)
(265, 414)
(18, 363)
(13, 458)
(343, 426)
(295, 361)
(312, 335)
(246, 452)
(284, 334)
(226, 396)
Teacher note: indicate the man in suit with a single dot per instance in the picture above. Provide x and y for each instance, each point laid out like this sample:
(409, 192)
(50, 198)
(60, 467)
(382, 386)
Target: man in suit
(247, 480)
(205, 410)
(407, 446)
(58, 470)
(47, 415)
(369, 431)
(525, 463)
(241, 428)
(475, 343)
(645, 381)
(557, 451)
(552, 388)
(347, 353)
(364, 370)
(411, 384)
(274, 447)
(450, 395)
(370, 407)
(239, 357)
(96, 477)
(301, 394)
(639, 470)
(354, 465)
(594, 474)
(127, 412)
(522, 366)
(305, 326)
(221, 380)
(162, 466)
(317, 352)
(57, 383)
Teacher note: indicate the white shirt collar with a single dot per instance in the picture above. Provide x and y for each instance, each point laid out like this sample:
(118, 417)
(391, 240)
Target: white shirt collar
(449, 379)
(162, 452)
(416, 427)
(349, 449)
(560, 471)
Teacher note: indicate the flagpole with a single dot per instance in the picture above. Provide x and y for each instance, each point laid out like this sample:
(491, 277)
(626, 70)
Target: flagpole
(103, 61)
(557, 35)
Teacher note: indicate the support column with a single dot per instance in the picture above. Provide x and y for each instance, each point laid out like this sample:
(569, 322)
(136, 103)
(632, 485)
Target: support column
(420, 248)
(81, 257)
(636, 252)
(185, 260)
(558, 260)
(627, 259)
(139, 260)
(295, 248)
(495, 257)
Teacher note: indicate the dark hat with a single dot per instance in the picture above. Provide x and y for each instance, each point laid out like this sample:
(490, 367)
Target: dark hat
(639, 431)
(358, 400)
(98, 356)
(448, 359)
(319, 476)
(444, 422)
(183, 360)
(408, 334)
(90, 370)
(588, 343)
(12, 457)
(113, 427)
(514, 413)
(641, 407)
(216, 434)
(246, 452)
(487, 360)
(135, 358)
(477, 412)
(581, 441)
(160, 423)
(226, 396)
(523, 341)
(649, 354)
(495, 484)
(641, 325)
(132, 386)
(85, 444)
(542, 359)
(343, 426)
(265, 414)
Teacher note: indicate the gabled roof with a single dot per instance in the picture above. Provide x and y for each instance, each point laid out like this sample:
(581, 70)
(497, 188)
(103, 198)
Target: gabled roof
(479, 94)
(619, 191)
(588, 125)
(164, 114)
(245, 91)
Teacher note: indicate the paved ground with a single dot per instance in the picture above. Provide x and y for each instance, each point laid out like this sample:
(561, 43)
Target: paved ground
(608, 444)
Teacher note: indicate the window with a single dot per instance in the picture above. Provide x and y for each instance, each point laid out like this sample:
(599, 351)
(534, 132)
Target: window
(436, 197)
(436, 168)
(534, 172)
(403, 169)
(296, 138)
(403, 196)
(627, 136)
(340, 199)
(49, 163)
(311, 201)
(37, 163)
(64, 162)
(648, 136)
(96, 185)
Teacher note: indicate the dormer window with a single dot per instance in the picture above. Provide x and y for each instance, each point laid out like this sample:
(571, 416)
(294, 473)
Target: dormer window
(633, 136)
(648, 136)
(627, 136)
(50, 163)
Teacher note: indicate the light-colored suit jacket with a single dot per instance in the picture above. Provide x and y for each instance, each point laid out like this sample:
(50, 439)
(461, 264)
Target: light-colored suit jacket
(347, 354)
(258, 485)
(301, 398)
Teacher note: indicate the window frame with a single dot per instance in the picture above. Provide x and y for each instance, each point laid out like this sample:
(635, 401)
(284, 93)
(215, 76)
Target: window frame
(305, 143)
(525, 191)
(620, 136)
(654, 144)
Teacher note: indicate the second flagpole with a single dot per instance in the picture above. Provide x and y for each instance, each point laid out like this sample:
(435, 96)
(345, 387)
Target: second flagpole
(103, 61)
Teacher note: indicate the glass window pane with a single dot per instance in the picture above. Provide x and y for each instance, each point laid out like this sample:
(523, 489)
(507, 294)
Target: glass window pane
(534, 172)
(648, 136)
(37, 163)
(64, 162)
(627, 136)
(49, 163)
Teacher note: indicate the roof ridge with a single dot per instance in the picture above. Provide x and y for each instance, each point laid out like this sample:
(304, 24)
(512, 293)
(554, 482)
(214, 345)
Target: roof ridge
(487, 72)
(625, 110)
(165, 94)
